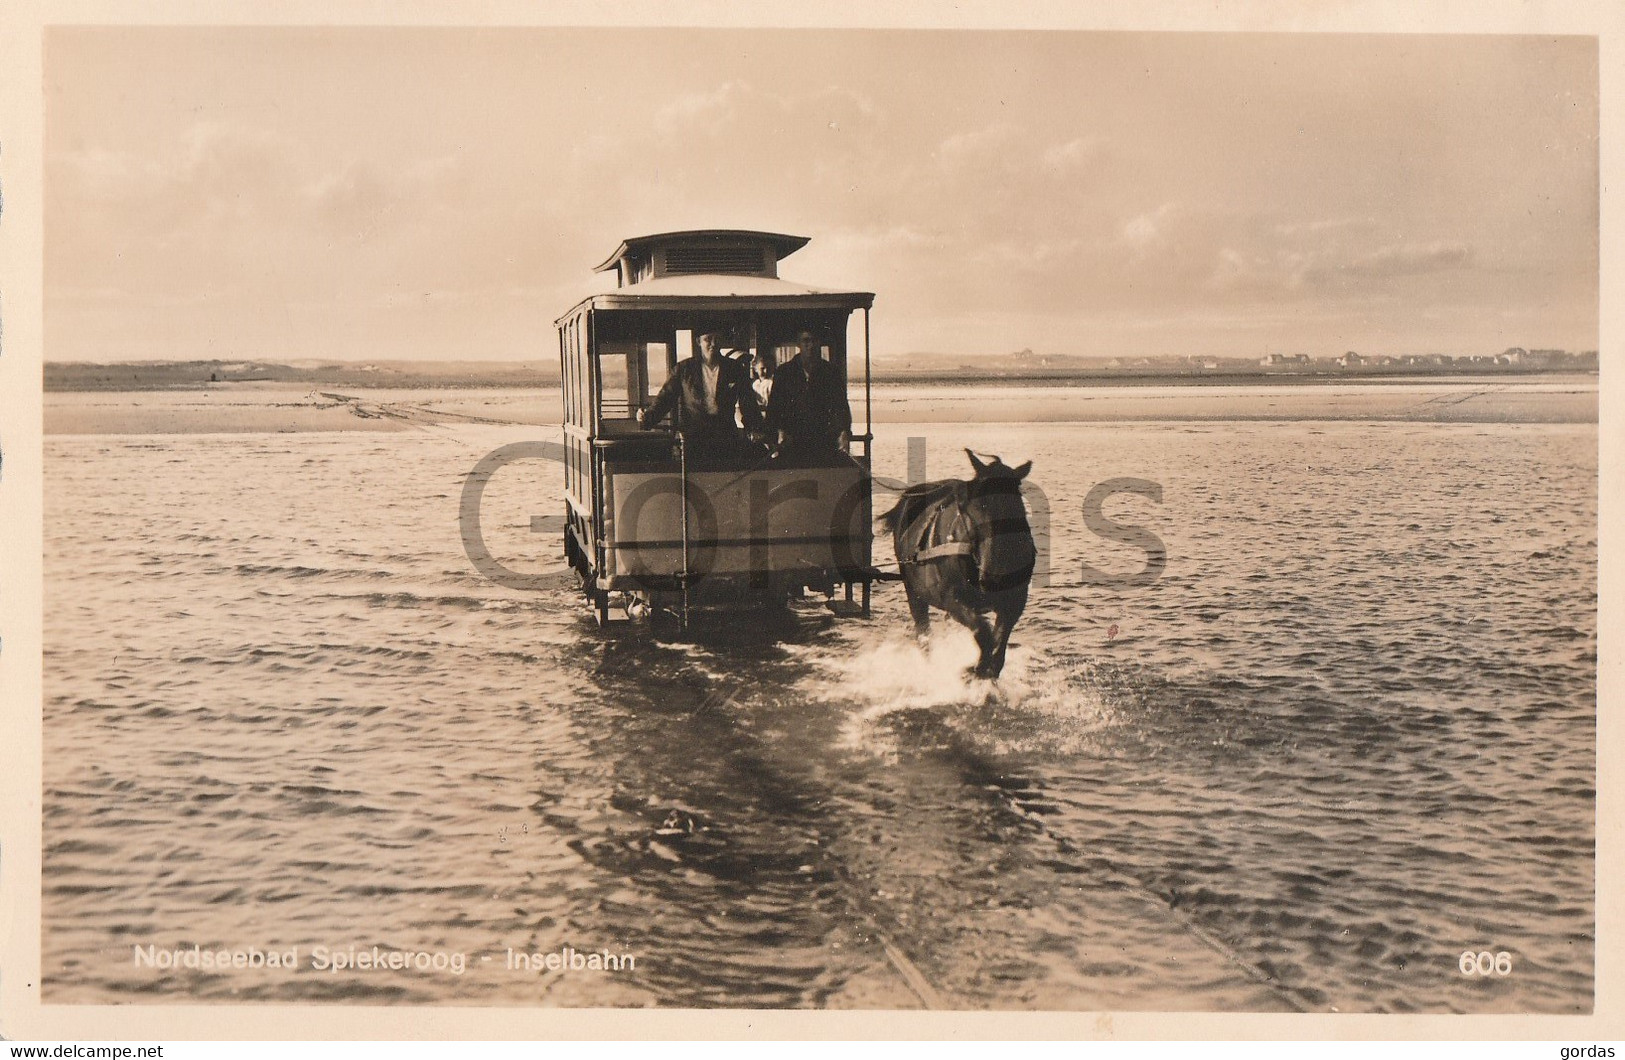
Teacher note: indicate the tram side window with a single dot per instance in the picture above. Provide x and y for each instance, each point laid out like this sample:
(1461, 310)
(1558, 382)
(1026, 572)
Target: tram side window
(584, 379)
(570, 384)
(578, 379)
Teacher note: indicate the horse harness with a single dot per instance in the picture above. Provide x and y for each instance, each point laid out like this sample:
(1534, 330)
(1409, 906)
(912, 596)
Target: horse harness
(943, 530)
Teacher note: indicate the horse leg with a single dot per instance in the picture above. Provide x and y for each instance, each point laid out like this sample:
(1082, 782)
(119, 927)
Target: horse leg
(968, 616)
(1005, 618)
(1001, 641)
(919, 610)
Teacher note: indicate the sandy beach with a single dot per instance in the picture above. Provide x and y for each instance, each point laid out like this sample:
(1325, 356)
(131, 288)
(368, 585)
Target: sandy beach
(254, 408)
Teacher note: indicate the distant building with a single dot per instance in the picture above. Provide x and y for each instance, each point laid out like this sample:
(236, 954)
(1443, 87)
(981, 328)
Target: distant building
(1350, 360)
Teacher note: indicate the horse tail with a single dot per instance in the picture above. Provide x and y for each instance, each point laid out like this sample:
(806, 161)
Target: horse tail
(890, 518)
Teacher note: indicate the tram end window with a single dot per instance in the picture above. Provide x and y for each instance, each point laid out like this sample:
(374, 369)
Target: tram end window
(787, 347)
(615, 399)
(654, 355)
(630, 375)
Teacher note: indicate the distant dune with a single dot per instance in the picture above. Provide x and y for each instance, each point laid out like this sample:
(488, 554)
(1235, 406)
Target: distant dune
(1006, 370)
(62, 376)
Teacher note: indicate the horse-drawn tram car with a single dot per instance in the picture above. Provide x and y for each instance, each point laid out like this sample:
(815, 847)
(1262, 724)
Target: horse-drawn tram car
(711, 460)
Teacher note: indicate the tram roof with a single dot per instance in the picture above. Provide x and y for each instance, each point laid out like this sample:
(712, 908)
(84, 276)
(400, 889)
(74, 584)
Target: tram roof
(716, 291)
(782, 244)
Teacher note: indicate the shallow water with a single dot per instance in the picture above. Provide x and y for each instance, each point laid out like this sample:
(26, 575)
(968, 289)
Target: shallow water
(1347, 735)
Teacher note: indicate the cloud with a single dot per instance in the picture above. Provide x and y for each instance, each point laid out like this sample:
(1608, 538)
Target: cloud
(99, 175)
(219, 173)
(1147, 229)
(1410, 259)
(709, 105)
(978, 147)
(738, 100)
(1333, 269)
(1015, 155)
(1203, 253)
(365, 198)
(1074, 154)
(1322, 226)
(241, 208)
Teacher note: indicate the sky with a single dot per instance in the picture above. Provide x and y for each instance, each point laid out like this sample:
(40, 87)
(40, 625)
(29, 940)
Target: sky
(384, 194)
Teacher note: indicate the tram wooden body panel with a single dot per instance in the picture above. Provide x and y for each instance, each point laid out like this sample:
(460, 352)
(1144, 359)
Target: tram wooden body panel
(793, 521)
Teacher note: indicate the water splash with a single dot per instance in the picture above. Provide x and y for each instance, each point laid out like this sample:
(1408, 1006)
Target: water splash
(1035, 704)
(902, 675)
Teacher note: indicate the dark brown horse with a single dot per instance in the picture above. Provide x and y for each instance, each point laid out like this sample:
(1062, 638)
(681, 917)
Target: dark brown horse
(966, 547)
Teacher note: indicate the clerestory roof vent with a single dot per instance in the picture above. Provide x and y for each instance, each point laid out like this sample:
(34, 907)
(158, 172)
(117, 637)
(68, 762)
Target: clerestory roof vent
(743, 261)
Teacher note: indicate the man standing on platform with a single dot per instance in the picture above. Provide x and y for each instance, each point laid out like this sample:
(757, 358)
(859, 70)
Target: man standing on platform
(704, 391)
(808, 404)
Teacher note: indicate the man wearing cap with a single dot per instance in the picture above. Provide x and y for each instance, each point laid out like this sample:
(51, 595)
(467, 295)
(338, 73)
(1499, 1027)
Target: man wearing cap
(704, 391)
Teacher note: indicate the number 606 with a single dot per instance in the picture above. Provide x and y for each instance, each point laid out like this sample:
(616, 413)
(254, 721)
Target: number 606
(1485, 963)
